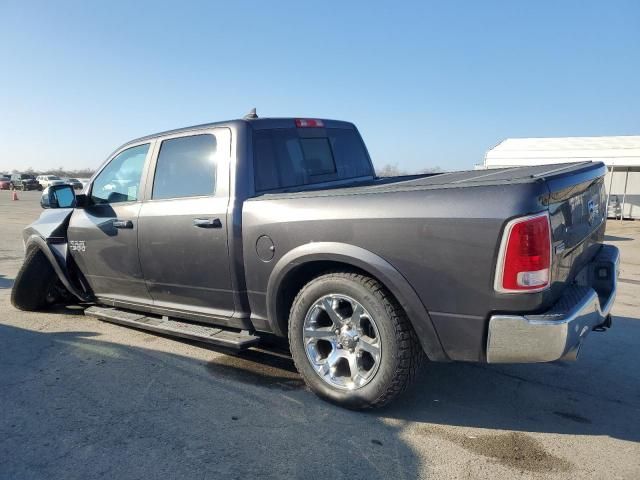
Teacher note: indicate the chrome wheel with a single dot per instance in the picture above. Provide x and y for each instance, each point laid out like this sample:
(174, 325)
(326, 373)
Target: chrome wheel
(342, 341)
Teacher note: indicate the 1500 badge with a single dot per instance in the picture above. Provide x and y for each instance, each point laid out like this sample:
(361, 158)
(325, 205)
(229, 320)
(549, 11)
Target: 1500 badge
(77, 246)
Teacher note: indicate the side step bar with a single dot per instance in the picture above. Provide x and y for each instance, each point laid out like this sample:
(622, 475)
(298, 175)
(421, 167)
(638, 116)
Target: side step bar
(166, 326)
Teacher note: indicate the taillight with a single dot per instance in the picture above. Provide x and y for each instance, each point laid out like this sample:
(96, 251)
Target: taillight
(524, 261)
(308, 122)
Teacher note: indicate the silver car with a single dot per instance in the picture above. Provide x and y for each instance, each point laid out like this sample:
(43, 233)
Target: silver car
(74, 182)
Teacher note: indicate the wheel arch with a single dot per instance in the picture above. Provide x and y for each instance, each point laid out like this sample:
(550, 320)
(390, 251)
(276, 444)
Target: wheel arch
(300, 265)
(57, 259)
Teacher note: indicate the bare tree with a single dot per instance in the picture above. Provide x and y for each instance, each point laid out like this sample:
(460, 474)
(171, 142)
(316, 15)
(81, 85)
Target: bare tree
(435, 169)
(65, 173)
(390, 171)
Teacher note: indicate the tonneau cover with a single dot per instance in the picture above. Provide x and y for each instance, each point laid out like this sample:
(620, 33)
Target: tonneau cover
(467, 178)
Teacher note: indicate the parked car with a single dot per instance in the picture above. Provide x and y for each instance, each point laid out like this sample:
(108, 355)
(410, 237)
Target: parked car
(84, 181)
(233, 232)
(74, 182)
(48, 180)
(5, 182)
(24, 181)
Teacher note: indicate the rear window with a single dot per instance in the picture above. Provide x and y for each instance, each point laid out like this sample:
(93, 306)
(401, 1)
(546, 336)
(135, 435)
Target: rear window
(186, 167)
(292, 157)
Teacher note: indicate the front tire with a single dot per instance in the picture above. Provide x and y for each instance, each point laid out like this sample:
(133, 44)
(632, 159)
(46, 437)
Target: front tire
(351, 341)
(32, 289)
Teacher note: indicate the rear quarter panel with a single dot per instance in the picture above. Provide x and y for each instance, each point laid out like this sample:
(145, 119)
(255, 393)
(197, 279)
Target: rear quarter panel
(443, 241)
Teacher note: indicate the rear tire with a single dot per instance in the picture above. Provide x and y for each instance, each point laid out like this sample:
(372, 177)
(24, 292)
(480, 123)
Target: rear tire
(34, 283)
(340, 368)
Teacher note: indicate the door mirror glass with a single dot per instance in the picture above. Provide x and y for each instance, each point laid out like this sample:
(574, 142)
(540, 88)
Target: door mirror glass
(58, 196)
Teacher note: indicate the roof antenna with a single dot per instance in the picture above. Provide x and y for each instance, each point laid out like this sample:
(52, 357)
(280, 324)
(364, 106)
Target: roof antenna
(251, 115)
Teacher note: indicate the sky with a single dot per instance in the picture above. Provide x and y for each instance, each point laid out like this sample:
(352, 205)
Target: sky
(429, 84)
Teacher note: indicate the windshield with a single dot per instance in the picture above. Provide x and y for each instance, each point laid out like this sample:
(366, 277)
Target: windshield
(292, 157)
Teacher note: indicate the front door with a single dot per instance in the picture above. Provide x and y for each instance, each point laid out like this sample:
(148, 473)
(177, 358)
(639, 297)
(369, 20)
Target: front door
(103, 236)
(183, 229)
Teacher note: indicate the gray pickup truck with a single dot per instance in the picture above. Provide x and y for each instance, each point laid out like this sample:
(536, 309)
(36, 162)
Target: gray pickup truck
(233, 232)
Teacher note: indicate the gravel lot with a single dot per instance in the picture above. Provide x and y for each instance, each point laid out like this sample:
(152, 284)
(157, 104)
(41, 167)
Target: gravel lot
(84, 399)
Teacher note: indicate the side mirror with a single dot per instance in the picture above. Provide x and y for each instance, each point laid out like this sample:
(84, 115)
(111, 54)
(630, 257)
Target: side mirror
(58, 196)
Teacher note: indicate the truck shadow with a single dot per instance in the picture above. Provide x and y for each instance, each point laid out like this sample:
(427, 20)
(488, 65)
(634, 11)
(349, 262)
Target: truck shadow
(597, 395)
(615, 238)
(125, 411)
(593, 396)
(76, 406)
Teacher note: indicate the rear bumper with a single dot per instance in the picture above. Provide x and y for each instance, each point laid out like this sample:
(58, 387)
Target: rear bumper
(559, 332)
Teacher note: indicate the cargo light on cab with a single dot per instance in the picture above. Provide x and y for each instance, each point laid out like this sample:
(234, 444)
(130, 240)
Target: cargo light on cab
(524, 260)
(308, 122)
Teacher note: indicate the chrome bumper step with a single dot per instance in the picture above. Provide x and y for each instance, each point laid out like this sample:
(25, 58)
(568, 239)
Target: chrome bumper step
(559, 333)
(192, 331)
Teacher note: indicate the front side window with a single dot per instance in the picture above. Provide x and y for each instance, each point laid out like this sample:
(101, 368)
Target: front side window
(119, 181)
(186, 167)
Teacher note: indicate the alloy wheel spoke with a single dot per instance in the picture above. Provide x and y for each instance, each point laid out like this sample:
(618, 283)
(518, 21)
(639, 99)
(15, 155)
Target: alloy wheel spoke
(324, 368)
(354, 369)
(332, 360)
(319, 333)
(327, 305)
(369, 347)
(358, 311)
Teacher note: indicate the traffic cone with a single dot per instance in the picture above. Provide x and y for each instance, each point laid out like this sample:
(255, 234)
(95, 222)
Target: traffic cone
(14, 196)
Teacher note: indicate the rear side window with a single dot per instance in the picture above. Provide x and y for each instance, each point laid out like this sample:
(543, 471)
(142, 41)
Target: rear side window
(186, 167)
(291, 157)
(119, 181)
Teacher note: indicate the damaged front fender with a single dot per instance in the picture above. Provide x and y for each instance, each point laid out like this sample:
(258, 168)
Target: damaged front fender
(49, 234)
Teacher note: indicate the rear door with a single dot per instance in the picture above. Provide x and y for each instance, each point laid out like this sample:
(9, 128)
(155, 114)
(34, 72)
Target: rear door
(183, 230)
(103, 236)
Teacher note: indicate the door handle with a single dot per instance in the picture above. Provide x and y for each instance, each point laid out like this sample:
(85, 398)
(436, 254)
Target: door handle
(123, 224)
(207, 223)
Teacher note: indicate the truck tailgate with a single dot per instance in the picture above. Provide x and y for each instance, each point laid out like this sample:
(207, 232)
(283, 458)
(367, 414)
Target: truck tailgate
(577, 208)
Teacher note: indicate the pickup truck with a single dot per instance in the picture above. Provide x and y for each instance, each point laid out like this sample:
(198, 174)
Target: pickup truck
(24, 181)
(234, 232)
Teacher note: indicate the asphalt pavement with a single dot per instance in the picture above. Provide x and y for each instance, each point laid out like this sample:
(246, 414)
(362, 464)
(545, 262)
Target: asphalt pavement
(82, 399)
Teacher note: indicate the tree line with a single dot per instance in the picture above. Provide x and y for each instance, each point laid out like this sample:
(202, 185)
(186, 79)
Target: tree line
(60, 172)
(392, 170)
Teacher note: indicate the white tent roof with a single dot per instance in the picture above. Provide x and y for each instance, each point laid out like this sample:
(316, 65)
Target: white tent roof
(617, 151)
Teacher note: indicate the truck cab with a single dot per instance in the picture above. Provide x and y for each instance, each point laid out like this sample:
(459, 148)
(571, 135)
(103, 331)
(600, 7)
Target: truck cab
(172, 203)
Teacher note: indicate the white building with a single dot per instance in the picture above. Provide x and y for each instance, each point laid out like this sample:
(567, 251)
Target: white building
(620, 154)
